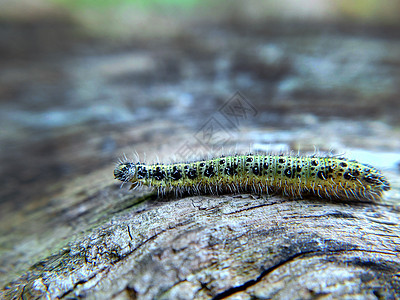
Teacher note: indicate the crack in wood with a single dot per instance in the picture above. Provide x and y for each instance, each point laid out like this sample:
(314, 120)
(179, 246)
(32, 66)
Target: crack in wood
(252, 282)
(249, 208)
(129, 232)
(82, 281)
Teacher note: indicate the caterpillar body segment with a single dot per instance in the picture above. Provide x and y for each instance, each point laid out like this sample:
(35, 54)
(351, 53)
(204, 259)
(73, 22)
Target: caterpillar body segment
(292, 176)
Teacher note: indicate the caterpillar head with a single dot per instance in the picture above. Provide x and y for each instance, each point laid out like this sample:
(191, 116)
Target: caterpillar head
(125, 171)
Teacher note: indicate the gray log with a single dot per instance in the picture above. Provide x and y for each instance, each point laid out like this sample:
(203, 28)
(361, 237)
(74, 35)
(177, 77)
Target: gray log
(131, 245)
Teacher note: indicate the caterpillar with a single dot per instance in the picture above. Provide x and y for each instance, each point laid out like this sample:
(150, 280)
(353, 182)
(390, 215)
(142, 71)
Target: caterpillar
(291, 176)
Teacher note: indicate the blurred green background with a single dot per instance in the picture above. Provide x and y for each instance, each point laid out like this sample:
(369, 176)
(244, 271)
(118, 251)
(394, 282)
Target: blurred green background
(113, 17)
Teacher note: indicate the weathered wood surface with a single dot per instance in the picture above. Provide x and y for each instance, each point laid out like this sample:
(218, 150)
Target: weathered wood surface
(118, 244)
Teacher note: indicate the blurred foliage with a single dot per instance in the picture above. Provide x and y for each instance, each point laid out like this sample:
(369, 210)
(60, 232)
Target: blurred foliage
(126, 18)
(113, 3)
(381, 11)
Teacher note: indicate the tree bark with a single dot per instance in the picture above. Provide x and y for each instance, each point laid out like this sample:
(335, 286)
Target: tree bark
(118, 244)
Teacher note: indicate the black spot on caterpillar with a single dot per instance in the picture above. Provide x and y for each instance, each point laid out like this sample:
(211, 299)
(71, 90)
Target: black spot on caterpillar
(292, 176)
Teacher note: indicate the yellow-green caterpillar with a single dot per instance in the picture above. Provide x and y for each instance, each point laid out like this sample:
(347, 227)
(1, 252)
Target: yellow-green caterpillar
(292, 176)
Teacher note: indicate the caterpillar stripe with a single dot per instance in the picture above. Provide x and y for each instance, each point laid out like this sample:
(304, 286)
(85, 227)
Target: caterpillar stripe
(291, 176)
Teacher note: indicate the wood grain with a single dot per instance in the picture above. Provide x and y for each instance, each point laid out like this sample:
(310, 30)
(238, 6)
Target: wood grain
(135, 246)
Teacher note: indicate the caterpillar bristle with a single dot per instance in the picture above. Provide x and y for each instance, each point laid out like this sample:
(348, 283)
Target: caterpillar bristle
(293, 176)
